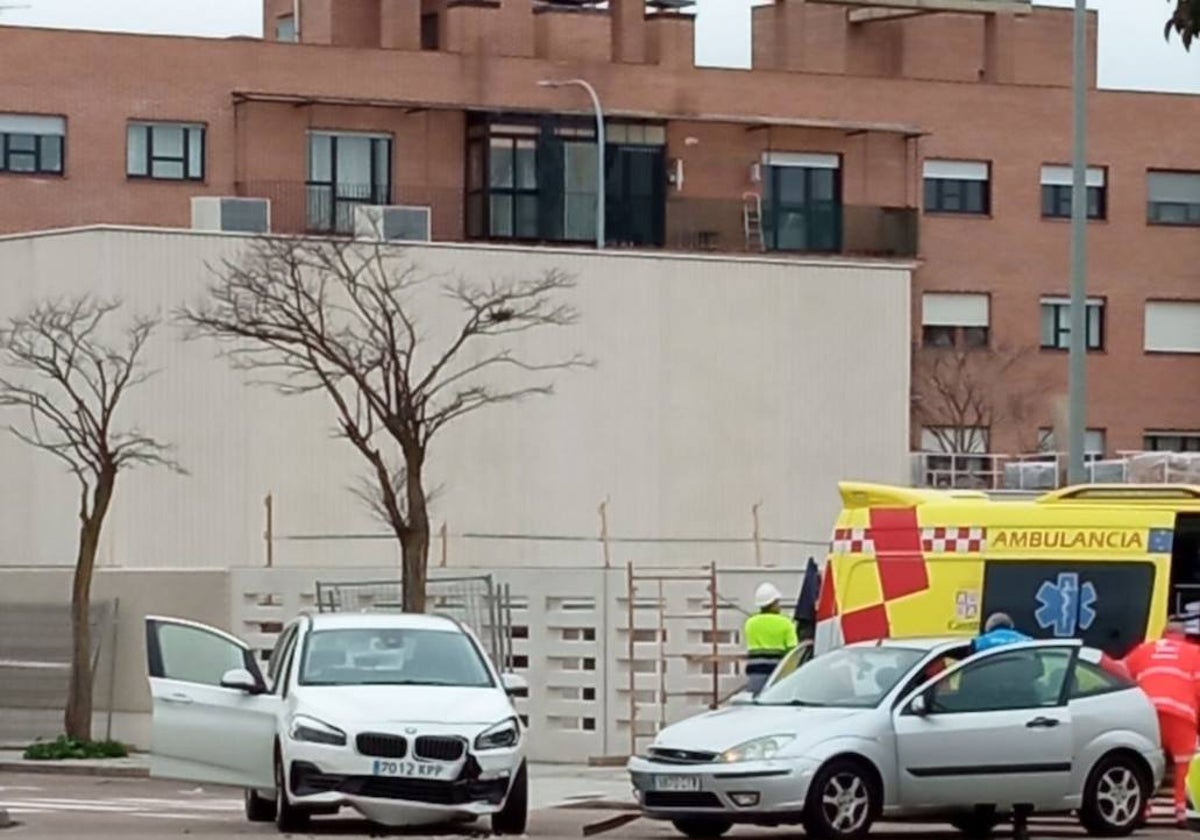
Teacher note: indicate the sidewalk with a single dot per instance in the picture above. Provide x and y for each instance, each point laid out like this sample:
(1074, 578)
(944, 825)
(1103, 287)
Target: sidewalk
(551, 785)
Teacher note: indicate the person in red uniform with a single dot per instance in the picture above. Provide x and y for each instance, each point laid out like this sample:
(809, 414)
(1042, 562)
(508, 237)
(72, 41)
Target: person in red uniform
(1168, 670)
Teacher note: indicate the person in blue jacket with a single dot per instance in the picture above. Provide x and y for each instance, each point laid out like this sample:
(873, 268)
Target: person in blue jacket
(998, 630)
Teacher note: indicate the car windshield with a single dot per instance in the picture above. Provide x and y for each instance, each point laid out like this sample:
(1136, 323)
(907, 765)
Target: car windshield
(393, 656)
(856, 676)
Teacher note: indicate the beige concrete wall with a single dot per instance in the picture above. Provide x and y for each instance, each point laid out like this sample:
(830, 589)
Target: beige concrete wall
(720, 383)
(120, 682)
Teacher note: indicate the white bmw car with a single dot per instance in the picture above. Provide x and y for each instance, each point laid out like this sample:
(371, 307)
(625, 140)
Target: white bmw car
(914, 729)
(401, 717)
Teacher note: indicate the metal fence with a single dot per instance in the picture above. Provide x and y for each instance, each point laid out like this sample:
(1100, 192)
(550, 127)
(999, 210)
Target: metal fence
(35, 666)
(475, 601)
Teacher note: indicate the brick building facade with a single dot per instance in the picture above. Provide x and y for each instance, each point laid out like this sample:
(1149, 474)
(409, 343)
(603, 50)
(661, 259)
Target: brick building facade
(942, 137)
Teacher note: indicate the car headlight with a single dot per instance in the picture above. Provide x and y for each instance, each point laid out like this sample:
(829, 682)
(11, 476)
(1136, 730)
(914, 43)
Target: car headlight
(310, 729)
(503, 735)
(758, 749)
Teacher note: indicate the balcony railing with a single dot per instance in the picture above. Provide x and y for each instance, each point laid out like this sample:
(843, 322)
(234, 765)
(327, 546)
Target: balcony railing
(679, 224)
(1048, 471)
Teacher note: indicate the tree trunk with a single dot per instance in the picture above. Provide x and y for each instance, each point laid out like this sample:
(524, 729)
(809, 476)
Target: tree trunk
(77, 721)
(414, 544)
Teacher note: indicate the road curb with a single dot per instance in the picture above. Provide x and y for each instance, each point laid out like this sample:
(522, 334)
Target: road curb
(67, 769)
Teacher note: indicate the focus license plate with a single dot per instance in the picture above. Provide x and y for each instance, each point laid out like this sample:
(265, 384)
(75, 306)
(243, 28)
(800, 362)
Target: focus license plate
(677, 783)
(408, 769)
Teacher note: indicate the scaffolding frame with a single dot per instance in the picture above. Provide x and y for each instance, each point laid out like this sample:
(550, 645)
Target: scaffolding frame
(657, 580)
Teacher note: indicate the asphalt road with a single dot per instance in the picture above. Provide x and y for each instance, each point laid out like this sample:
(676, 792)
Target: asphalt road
(71, 807)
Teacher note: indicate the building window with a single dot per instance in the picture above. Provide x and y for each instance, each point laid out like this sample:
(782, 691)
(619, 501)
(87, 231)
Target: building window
(513, 187)
(958, 186)
(802, 202)
(1171, 441)
(165, 151)
(430, 34)
(1173, 198)
(1056, 324)
(956, 456)
(1173, 326)
(285, 29)
(346, 171)
(954, 320)
(1093, 443)
(31, 144)
(1056, 192)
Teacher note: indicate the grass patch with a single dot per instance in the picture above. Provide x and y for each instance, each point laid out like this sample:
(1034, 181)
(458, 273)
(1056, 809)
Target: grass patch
(65, 748)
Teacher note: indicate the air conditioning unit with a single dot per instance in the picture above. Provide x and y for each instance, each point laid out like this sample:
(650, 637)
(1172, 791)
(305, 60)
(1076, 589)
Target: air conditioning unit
(231, 214)
(393, 223)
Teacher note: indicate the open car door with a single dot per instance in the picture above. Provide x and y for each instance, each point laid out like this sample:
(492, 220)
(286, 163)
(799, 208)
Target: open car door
(796, 657)
(213, 718)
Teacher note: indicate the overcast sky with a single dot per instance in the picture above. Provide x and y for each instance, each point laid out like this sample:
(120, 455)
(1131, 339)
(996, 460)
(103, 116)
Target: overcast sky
(1133, 53)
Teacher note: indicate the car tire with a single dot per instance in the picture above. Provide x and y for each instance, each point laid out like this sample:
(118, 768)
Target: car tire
(513, 818)
(702, 828)
(1113, 797)
(843, 801)
(977, 825)
(288, 818)
(259, 810)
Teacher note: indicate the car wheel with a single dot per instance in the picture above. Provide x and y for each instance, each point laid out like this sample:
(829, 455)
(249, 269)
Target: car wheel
(514, 816)
(257, 808)
(702, 828)
(977, 825)
(288, 817)
(842, 802)
(1113, 797)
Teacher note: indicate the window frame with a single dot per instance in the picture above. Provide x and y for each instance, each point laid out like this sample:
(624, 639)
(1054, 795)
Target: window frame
(1192, 210)
(513, 193)
(38, 152)
(934, 188)
(287, 18)
(1182, 435)
(1060, 195)
(151, 159)
(157, 668)
(1062, 324)
(992, 657)
(958, 337)
(1114, 685)
(380, 193)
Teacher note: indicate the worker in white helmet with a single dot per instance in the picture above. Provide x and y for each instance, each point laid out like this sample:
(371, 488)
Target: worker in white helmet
(770, 636)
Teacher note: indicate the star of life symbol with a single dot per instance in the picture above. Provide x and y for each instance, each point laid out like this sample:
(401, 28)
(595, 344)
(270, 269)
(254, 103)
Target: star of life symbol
(966, 605)
(1065, 606)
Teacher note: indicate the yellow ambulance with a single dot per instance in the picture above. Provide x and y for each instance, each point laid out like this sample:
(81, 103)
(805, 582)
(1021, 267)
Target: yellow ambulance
(1105, 563)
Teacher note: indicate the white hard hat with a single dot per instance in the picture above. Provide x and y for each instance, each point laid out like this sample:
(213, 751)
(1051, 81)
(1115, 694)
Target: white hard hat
(766, 594)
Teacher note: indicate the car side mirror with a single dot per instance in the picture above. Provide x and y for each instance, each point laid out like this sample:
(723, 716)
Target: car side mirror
(514, 684)
(242, 680)
(919, 705)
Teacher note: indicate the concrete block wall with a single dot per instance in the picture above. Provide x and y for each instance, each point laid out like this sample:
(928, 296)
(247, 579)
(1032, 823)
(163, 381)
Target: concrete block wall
(570, 633)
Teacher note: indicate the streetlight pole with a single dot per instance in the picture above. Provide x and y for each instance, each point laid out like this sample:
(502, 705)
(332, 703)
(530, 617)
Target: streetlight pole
(1077, 359)
(600, 238)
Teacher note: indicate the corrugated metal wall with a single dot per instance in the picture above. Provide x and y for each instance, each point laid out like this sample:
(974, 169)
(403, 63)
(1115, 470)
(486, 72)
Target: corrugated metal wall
(720, 383)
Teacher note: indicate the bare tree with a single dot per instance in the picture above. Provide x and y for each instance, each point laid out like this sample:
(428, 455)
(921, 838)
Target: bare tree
(962, 396)
(69, 381)
(340, 317)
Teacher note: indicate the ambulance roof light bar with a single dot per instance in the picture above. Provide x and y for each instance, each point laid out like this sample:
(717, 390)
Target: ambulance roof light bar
(1124, 493)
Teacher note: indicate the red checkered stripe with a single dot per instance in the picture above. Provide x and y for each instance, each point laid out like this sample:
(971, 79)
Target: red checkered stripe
(853, 541)
(953, 540)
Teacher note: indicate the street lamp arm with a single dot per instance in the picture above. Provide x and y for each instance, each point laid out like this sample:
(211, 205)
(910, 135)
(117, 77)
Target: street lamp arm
(600, 148)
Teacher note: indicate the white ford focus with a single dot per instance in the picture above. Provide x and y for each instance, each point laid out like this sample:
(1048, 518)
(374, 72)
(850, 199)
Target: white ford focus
(401, 717)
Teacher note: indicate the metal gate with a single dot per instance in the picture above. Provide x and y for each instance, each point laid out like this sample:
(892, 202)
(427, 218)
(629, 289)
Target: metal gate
(476, 601)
